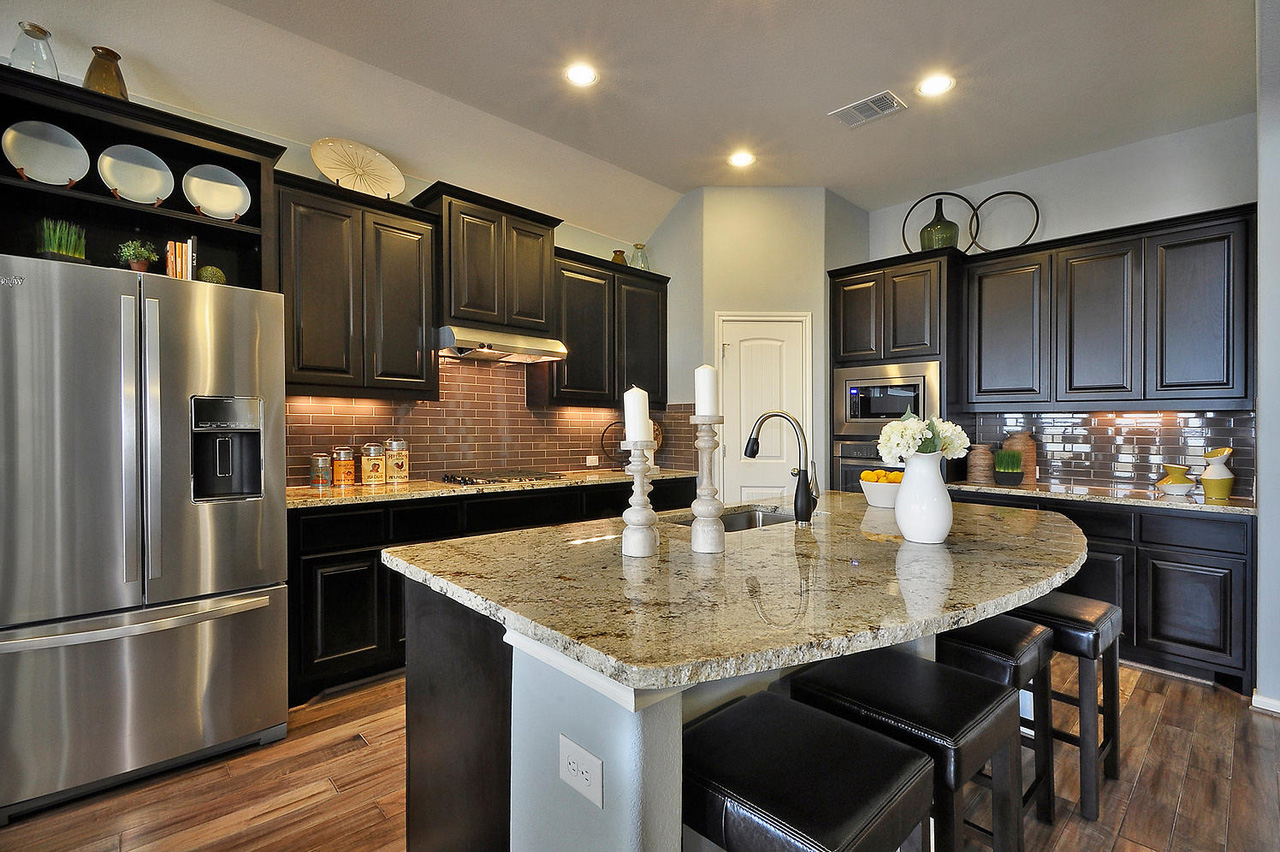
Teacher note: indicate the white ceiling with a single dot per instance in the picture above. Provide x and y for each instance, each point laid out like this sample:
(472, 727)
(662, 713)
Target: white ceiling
(684, 82)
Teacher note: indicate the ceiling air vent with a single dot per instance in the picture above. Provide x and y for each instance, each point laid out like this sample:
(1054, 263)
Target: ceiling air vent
(869, 109)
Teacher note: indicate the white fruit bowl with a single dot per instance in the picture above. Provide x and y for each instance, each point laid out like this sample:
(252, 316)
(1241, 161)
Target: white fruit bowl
(880, 494)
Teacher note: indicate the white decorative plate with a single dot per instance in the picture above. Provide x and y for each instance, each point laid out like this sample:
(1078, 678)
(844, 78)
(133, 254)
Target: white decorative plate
(45, 152)
(135, 174)
(216, 192)
(355, 166)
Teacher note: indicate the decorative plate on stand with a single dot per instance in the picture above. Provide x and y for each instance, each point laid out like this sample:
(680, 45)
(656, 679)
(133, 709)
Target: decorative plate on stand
(353, 165)
(45, 152)
(135, 174)
(216, 192)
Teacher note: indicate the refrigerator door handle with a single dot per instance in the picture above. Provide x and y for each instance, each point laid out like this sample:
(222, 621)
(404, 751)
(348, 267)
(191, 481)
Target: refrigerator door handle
(129, 431)
(110, 626)
(151, 375)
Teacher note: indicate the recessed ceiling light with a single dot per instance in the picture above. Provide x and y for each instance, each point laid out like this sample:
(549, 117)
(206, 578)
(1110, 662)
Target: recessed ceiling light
(936, 84)
(581, 74)
(741, 159)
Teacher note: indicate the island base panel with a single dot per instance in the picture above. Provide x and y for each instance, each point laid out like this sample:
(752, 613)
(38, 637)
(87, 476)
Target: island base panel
(457, 724)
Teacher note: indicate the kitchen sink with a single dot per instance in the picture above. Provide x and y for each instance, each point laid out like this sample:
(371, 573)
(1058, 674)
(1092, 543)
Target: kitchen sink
(748, 519)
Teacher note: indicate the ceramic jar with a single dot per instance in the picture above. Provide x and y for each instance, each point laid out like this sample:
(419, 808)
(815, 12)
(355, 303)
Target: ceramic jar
(1175, 480)
(981, 465)
(1025, 444)
(1217, 479)
(103, 74)
(923, 506)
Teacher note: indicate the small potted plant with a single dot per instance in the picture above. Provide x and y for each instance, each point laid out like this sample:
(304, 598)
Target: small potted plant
(137, 254)
(61, 240)
(1008, 467)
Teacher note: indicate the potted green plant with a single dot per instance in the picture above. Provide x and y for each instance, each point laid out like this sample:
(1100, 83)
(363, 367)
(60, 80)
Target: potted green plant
(61, 240)
(1008, 465)
(137, 254)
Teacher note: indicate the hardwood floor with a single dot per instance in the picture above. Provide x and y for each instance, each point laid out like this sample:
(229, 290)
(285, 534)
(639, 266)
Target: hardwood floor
(1199, 771)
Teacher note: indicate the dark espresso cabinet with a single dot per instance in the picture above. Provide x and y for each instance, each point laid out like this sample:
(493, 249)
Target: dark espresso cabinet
(1099, 321)
(498, 270)
(613, 321)
(888, 314)
(1185, 581)
(1009, 330)
(359, 289)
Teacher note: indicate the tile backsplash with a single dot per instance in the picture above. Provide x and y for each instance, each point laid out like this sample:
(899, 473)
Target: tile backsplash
(1127, 449)
(480, 422)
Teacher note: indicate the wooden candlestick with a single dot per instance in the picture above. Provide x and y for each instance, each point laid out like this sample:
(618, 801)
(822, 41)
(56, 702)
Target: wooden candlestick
(640, 537)
(708, 529)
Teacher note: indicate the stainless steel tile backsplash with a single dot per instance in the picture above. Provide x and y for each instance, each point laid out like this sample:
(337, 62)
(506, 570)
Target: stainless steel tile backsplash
(1127, 449)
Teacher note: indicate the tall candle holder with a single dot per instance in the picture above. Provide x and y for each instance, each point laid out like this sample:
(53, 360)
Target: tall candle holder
(708, 529)
(640, 537)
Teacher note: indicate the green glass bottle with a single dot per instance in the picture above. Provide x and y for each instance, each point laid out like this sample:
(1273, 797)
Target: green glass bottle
(940, 233)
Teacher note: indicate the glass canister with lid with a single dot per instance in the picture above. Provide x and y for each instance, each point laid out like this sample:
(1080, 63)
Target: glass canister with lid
(344, 467)
(397, 459)
(372, 471)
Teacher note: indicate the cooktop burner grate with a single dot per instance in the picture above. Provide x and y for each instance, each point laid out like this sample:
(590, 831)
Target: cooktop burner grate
(493, 477)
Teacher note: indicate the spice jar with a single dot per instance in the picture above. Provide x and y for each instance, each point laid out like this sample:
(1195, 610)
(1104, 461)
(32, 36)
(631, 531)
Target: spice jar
(344, 466)
(397, 458)
(371, 469)
(321, 470)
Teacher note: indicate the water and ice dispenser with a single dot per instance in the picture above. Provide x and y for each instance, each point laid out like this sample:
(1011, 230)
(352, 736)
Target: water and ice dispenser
(226, 448)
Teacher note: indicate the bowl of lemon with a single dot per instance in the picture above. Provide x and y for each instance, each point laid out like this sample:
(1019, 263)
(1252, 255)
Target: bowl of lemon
(880, 487)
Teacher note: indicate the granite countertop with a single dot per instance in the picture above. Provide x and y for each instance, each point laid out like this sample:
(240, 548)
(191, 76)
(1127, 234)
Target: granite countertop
(778, 595)
(1116, 495)
(305, 497)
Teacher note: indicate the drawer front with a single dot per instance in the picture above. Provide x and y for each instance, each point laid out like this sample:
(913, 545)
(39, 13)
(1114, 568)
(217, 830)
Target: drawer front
(1114, 523)
(426, 521)
(1227, 536)
(535, 509)
(1192, 605)
(340, 530)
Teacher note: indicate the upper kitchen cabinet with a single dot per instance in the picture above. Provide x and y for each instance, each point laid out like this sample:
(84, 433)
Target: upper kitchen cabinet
(243, 247)
(359, 292)
(1197, 312)
(890, 314)
(498, 270)
(1100, 320)
(1009, 331)
(613, 321)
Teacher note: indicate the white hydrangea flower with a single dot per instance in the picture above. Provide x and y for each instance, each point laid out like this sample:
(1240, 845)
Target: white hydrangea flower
(902, 439)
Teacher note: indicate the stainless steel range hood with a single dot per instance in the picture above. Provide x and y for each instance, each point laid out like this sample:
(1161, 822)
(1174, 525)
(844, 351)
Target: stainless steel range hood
(474, 344)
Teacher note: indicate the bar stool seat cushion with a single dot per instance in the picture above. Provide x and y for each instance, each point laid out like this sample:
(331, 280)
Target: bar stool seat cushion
(960, 719)
(1082, 627)
(769, 773)
(1002, 648)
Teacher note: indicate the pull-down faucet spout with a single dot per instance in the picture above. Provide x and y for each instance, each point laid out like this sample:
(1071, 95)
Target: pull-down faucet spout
(806, 487)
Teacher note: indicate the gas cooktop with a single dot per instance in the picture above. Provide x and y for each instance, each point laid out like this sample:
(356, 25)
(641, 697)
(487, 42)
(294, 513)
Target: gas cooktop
(494, 477)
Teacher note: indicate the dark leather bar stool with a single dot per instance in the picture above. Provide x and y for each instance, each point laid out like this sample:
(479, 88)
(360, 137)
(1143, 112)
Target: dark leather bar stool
(959, 719)
(1087, 630)
(1016, 653)
(767, 773)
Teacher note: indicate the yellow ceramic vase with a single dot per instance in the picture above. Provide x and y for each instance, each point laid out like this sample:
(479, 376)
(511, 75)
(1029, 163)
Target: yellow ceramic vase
(1175, 480)
(1217, 479)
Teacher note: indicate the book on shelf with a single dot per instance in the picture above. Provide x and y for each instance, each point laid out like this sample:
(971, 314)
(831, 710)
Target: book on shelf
(180, 259)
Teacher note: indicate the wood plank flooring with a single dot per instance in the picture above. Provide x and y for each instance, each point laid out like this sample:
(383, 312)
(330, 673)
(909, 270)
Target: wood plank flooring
(1199, 772)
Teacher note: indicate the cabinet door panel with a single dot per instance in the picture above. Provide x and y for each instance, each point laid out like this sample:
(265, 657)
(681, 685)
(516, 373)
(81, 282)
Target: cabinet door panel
(642, 338)
(1196, 312)
(399, 260)
(475, 264)
(1100, 322)
(858, 315)
(529, 277)
(911, 316)
(586, 328)
(340, 613)
(1108, 575)
(1009, 344)
(320, 266)
(1192, 605)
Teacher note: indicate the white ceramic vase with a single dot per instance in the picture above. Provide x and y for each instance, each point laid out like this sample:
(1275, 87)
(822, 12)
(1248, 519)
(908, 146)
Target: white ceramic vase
(923, 507)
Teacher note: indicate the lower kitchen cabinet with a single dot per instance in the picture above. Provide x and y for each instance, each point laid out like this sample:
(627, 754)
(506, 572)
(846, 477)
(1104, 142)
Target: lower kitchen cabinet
(1184, 580)
(346, 609)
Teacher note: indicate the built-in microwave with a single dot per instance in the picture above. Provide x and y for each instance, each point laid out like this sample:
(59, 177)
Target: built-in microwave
(864, 399)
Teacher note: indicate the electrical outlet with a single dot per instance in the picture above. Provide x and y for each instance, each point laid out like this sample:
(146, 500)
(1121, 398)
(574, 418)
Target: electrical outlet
(593, 461)
(582, 771)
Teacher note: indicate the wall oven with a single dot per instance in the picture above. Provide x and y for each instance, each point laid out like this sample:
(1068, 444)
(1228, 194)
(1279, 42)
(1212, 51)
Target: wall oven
(864, 399)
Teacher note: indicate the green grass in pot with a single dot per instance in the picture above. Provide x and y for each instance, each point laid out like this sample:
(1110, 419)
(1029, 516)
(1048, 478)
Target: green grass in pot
(64, 238)
(1008, 464)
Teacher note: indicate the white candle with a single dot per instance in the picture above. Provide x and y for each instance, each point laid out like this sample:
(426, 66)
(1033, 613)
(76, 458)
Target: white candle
(635, 408)
(706, 392)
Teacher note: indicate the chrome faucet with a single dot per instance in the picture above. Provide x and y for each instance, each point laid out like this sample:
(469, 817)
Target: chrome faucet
(806, 486)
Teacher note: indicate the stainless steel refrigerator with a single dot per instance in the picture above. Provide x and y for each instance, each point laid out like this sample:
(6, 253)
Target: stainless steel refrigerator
(142, 525)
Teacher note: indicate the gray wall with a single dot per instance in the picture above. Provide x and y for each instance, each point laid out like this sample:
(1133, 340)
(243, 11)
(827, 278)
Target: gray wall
(675, 249)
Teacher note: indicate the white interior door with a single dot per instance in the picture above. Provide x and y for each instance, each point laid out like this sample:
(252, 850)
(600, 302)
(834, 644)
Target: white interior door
(764, 361)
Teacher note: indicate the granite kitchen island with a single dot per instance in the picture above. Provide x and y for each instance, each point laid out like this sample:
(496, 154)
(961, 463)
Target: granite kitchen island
(518, 638)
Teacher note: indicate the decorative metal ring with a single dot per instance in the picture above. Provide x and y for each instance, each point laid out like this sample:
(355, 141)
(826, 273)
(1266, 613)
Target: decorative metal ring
(972, 217)
(975, 225)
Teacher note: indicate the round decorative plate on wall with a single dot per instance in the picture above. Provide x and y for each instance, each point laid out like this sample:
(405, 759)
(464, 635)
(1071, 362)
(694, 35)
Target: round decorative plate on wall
(353, 165)
(216, 192)
(135, 174)
(45, 152)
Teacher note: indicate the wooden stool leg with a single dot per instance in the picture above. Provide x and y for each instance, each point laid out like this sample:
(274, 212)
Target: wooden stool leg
(1111, 708)
(1088, 706)
(1006, 796)
(948, 819)
(1042, 707)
